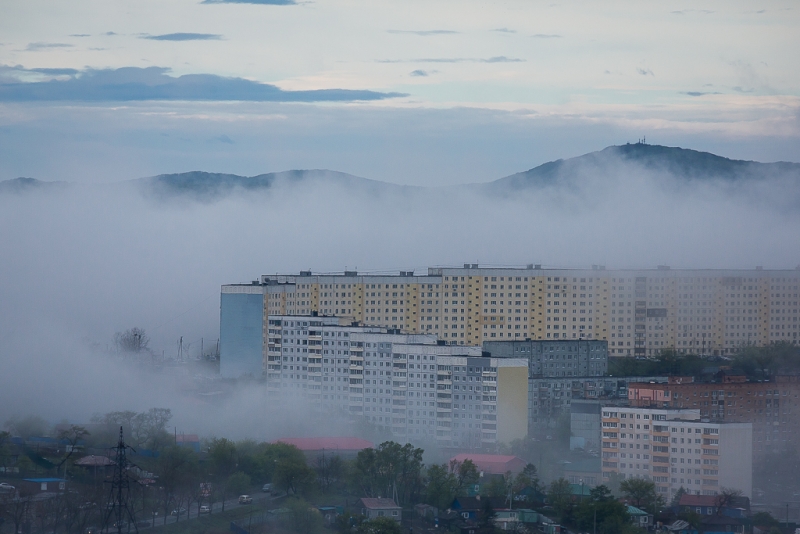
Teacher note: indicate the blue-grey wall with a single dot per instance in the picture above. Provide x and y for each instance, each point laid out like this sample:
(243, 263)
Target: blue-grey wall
(240, 334)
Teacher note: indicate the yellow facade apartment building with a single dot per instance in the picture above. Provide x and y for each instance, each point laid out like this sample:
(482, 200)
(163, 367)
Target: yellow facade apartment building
(639, 312)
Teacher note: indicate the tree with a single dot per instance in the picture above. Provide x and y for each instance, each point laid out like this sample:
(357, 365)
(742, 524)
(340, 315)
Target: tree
(238, 483)
(676, 499)
(486, 518)
(223, 460)
(725, 498)
(329, 469)
(527, 478)
(466, 475)
(379, 525)
(441, 486)
(302, 518)
(390, 465)
(70, 437)
(641, 493)
(5, 449)
(293, 475)
(174, 467)
(146, 429)
(25, 427)
(559, 495)
(764, 519)
(603, 511)
(134, 340)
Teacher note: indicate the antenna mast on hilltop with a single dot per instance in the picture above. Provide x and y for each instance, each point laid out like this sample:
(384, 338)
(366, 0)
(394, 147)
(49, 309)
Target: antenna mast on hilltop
(119, 508)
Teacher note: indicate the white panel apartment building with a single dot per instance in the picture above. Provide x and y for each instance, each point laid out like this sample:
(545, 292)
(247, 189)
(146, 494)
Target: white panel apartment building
(675, 449)
(402, 382)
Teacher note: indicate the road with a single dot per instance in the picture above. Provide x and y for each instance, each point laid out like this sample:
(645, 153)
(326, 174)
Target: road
(259, 499)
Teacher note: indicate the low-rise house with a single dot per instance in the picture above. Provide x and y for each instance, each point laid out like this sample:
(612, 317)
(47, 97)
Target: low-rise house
(372, 508)
(639, 517)
(470, 508)
(738, 507)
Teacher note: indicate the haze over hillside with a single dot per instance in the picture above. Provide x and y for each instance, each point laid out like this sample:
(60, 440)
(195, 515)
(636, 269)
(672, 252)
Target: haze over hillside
(83, 261)
(682, 164)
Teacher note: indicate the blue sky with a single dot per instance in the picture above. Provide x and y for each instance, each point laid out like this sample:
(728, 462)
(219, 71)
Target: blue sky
(419, 92)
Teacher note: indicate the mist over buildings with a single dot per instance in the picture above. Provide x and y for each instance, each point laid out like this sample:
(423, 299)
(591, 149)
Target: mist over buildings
(82, 261)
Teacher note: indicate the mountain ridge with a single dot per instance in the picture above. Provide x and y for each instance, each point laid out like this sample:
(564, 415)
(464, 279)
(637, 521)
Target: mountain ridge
(687, 163)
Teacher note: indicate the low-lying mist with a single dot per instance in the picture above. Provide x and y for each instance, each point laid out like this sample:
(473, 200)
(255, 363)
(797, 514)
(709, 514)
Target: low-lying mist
(82, 262)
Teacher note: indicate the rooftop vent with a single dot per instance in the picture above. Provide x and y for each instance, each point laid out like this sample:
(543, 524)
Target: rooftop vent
(305, 273)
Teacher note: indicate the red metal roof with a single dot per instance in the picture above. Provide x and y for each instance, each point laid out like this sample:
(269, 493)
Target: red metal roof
(318, 444)
(495, 464)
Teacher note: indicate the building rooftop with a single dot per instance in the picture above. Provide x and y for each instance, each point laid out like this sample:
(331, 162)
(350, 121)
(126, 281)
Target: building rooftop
(496, 464)
(378, 503)
(332, 443)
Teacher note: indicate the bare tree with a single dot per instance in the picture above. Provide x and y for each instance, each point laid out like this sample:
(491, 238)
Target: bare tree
(725, 498)
(134, 340)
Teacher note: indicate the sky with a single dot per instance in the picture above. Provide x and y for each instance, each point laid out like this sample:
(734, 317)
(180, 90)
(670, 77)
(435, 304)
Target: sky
(422, 92)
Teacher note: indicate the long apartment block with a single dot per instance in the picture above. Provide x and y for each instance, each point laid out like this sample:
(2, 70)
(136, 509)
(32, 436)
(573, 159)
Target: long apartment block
(676, 449)
(412, 385)
(639, 312)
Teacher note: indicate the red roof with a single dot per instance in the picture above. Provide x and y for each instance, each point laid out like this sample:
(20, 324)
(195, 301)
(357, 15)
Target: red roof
(494, 464)
(318, 444)
(697, 500)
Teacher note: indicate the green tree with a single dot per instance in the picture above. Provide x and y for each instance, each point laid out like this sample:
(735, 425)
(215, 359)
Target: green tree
(642, 494)
(379, 525)
(330, 470)
(603, 512)
(302, 518)
(238, 483)
(223, 463)
(559, 495)
(764, 519)
(174, 467)
(440, 488)
(466, 475)
(676, 499)
(377, 472)
(293, 475)
(486, 517)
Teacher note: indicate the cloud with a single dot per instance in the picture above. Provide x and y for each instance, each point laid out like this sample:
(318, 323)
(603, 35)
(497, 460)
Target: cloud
(34, 47)
(110, 33)
(256, 2)
(700, 93)
(153, 83)
(504, 30)
(501, 59)
(57, 72)
(495, 59)
(687, 11)
(547, 36)
(644, 72)
(424, 33)
(79, 35)
(184, 37)
(419, 72)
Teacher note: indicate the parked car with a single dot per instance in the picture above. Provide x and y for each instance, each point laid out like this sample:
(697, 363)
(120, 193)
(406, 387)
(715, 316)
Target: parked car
(205, 509)
(266, 488)
(178, 511)
(245, 499)
(6, 487)
(143, 524)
